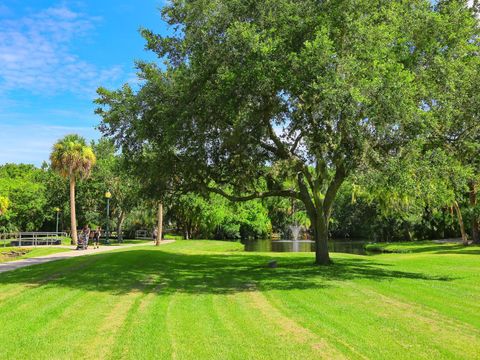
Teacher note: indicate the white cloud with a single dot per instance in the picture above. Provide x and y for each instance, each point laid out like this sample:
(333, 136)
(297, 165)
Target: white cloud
(36, 54)
(31, 143)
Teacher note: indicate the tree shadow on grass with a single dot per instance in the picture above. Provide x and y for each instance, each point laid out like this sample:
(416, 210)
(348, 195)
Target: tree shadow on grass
(167, 272)
(457, 249)
(444, 249)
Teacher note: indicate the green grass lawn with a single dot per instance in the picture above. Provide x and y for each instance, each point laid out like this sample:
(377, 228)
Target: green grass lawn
(210, 300)
(31, 252)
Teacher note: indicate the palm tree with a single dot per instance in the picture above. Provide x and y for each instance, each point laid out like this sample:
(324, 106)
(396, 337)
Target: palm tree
(72, 159)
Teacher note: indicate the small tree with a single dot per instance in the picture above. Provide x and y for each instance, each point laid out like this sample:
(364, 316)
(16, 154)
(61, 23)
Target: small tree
(73, 159)
(113, 173)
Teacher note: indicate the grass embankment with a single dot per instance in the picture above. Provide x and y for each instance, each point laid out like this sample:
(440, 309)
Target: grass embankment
(210, 300)
(18, 253)
(419, 246)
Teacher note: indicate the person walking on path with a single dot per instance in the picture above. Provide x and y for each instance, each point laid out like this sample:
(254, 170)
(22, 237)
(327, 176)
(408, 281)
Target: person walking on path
(84, 236)
(96, 237)
(154, 234)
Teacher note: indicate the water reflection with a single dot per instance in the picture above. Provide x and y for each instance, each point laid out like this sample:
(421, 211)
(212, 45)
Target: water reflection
(334, 245)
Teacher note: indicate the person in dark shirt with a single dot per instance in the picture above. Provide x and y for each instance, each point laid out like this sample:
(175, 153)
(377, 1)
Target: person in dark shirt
(85, 237)
(96, 238)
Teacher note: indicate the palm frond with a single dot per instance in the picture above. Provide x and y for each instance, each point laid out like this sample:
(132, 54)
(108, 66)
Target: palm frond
(71, 156)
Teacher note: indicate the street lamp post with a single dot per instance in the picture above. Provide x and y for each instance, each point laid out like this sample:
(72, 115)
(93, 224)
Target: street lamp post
(58, 212)
(108, 195)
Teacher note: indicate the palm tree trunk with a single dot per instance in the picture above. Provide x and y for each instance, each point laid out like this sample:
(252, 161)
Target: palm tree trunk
(73, 215)
(160, 224)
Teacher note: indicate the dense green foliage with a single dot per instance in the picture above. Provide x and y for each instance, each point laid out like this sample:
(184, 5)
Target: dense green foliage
(359, 212)
(39, 191)
(26, 189)
(217, 218)
(209, 300)
(410, 197)
(4, 202)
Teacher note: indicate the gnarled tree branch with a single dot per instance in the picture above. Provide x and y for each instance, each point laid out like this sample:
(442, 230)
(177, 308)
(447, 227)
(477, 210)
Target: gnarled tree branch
(256, 195)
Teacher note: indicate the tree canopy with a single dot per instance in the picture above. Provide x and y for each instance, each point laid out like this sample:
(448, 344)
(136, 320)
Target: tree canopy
(72, 157)
(23, 195)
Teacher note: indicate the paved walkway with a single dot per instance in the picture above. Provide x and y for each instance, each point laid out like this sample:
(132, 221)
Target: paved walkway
(13, 265)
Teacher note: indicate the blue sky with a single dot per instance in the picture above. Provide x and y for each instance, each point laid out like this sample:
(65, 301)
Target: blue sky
(53, 55)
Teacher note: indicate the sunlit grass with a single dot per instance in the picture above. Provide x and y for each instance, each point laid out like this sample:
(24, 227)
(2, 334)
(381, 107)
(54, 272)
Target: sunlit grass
(210, 300)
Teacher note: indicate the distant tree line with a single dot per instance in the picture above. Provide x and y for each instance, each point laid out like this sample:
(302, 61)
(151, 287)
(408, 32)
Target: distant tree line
(406, 201)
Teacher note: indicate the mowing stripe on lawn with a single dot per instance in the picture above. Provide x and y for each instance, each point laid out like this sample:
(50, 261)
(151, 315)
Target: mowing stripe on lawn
(197, 300)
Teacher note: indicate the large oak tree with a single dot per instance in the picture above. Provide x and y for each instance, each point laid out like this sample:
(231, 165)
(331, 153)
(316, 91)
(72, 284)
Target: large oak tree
(279, 97)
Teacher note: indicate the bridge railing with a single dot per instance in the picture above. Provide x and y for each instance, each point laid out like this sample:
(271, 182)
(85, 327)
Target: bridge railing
(143, 235)
(31, 238)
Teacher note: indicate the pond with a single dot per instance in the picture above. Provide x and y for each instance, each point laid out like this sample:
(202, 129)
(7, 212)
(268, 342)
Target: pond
(352, 246)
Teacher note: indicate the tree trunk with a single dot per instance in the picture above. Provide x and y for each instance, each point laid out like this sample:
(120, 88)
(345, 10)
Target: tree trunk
(475, 220)
(320, 235)
(318, 213)
(120, 220)
(160, 224)
(460, 222)
(187, 229)
(73, 215)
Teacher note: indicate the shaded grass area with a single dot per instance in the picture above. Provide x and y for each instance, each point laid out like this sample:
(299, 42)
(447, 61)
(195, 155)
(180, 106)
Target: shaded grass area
(210, 300)
(112, 242)
(17, 253)
(423, 246)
